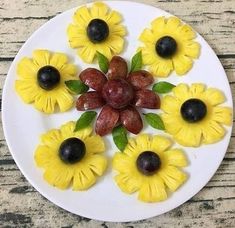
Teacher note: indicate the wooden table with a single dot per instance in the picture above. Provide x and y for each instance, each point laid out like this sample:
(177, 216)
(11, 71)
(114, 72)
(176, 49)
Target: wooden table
(22, 206)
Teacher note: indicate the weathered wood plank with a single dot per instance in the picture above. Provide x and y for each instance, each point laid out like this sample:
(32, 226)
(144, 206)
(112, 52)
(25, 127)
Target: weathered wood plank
(224, 176)
(34, 9)
(10, 43)
(228, 64)
(217, 204)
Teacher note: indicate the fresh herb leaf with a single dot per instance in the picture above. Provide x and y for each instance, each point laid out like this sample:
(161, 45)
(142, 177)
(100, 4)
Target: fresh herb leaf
(76, 86)
(155, 121)
(136, 62)
(120, 137)
(163, 87)
(103, 62)
(85, 120)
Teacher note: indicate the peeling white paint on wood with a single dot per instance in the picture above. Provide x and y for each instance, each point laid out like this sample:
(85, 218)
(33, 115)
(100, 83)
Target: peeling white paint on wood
(213, 206)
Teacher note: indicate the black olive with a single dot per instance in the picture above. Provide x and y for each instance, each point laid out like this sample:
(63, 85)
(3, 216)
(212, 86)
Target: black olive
(72, 150)
(48, 77)
(97, 30)
(193, 110)
(166, 47)
(148, 163)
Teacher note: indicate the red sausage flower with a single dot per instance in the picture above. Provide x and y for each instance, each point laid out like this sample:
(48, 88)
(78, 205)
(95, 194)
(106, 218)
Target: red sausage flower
(119, 93)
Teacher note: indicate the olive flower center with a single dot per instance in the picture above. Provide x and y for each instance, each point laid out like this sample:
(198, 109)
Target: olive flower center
(48, 77)
(193, 110)
(72, 150)
(148, 163)
(97, 30)
(166, 47)
(118, 93)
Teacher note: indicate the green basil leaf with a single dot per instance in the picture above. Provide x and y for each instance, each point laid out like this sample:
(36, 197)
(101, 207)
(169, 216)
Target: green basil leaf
(85, 120)
(103, 62)
(136, 62)
(76, 86)
(120, 137)
(155, 121)
(163, 87)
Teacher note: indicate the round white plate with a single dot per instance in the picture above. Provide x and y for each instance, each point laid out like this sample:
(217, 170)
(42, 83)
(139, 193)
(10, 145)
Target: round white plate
(104, 201)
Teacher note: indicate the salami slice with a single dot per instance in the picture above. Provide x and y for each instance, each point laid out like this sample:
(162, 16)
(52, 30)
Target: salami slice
(93, 78)
(131, 120)
(140, 79)
(89, 100)
(117, 68)
(106, 120)
(147, 99)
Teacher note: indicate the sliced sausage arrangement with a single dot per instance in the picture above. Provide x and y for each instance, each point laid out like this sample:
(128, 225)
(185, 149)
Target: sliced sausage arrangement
(119, 94)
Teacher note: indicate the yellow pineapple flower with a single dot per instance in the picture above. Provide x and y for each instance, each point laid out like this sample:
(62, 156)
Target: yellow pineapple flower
(193, 115)
(169, 45)
(96, 29)
(41, 81)
(71, 158)
(149, 166)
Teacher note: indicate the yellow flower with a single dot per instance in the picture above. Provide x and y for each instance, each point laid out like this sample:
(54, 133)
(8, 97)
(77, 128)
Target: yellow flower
(41, 81)
(169, 46)
(66, 166)
(96, 29)
(193, 115)
(148, 165)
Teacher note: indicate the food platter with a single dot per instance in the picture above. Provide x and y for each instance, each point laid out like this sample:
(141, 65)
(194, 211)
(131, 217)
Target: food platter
(105, 201)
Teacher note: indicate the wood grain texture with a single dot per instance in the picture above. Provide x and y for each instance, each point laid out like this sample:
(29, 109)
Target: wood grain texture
(22, 206)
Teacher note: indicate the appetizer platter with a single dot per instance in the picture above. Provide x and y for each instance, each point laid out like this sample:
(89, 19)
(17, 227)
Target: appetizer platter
(117, 117)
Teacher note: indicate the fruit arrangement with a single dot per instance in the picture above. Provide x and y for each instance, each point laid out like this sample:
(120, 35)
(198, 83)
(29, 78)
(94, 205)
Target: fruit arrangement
(169, 46)
(42, 81)
(71, 157)
(96, 29)
(74, 155)
(197, 114)
(150, 167)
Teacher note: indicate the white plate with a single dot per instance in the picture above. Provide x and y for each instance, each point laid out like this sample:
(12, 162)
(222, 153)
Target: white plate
(23, 125)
